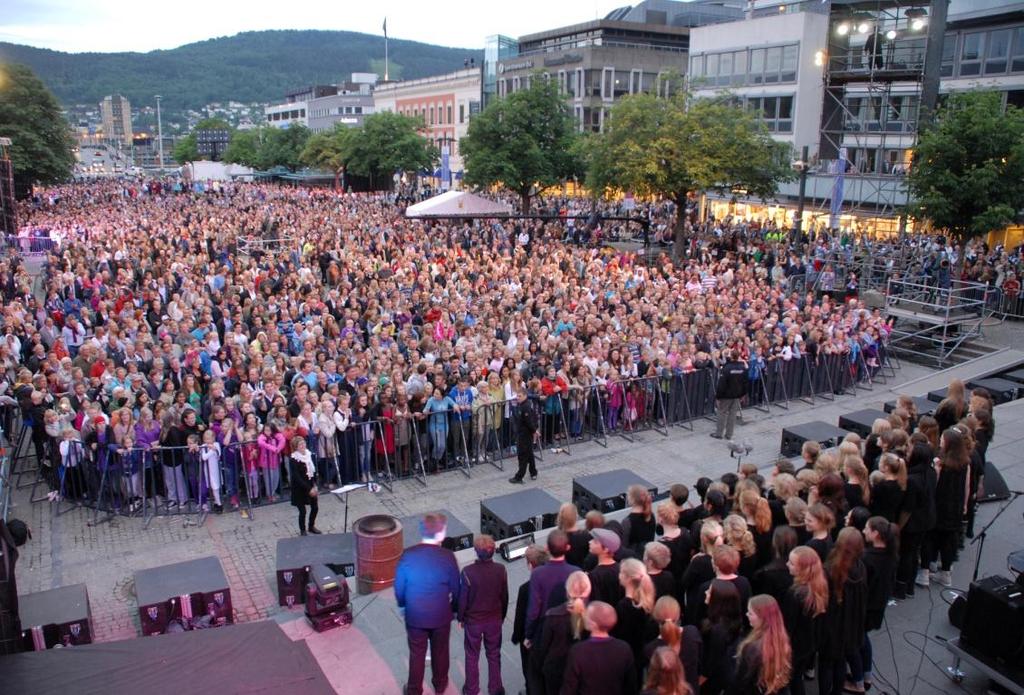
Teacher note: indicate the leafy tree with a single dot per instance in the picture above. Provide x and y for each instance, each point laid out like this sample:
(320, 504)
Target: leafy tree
(244, 147)
(968, 171)
(525, 142)
(41, 144)
(267, 147)
(679, 145)
(385, 143)
(186, 150)
(212, 124)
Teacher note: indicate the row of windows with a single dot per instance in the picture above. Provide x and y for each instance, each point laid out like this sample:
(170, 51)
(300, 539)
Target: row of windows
(337, 111)
(286, 115)
(895, 114)
(993, 52)
(434, 115)
(752, 66)
(775, 112)
(607, 83)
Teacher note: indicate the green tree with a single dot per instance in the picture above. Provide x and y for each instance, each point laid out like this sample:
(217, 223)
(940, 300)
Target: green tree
(385, 143)
(680, 145)
(185, 149)
(244, 147)
(525, 142)
(41, 144)
(267, 147)
(968, 172)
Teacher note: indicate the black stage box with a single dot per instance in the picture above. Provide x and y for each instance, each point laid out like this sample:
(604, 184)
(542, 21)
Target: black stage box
(521, 512)
(793, 438)
(994, 619)
(937, 395)
(459, 537)
(925, 406)
(296, 554)
(184, 590)
(1002, 390)
(860, 421)
(58, 616)
(606, 492)
(1016, 375)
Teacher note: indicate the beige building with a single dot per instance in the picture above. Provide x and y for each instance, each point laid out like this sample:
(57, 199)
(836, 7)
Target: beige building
(116, 115)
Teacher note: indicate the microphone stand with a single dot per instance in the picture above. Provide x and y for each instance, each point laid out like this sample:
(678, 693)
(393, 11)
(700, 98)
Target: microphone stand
(980, 537)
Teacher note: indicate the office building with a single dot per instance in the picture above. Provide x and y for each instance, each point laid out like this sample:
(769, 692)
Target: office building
(444, 103)
(116, 117)
(631, 50)
(848, 82)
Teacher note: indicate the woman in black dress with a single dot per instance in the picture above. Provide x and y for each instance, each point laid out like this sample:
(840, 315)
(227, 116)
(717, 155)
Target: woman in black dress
(684, 640)
(700, 571)
(638, 527)
(880, 562)
(774, 578)
(635, 625)
(952, 466)
(302, 472)
(562, 628)
(887, 494)
(819, 521)
(917, 516)
(764, 659)
(720, 631)
(844, 619)
(803, 610)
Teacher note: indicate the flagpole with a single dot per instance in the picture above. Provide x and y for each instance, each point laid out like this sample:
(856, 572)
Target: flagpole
(385, 49)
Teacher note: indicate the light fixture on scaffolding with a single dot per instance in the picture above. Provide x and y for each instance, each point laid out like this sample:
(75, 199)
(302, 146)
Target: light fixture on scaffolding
(863, 28)
(917, 17)
(843, 28)
(891, 34)
(819, 58)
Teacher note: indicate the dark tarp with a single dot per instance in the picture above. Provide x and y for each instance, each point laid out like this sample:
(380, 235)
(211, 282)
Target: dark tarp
(249, 658)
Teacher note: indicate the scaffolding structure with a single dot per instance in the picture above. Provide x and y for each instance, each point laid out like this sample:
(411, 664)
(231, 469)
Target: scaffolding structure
(874, 74)
(935, 321)
(8, 218)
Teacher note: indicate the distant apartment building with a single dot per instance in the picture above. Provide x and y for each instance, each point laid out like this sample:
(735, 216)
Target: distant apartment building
(595, 63)
(444, 103)
(116, 117)
(319, 107)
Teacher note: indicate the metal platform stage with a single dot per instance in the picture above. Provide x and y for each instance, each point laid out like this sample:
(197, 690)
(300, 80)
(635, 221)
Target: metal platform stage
(932, 323)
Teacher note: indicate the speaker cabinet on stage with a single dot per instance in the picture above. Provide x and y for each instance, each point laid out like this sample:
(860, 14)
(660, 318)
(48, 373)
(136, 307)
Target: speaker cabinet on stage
(861, 421)
(183, 591)
(994, 619)
(56, 617)
(606, 492)
(793, 438)
(995, 485)
(297, 554)
(1001, 390)
(521, 512)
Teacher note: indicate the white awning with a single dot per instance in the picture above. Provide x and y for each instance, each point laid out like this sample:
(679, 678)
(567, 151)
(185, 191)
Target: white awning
(458, 204)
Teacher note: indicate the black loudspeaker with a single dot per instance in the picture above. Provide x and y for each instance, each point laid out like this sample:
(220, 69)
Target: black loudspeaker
(994, 619)
(995, 485)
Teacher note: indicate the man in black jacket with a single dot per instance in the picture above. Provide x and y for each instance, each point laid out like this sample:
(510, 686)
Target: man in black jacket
(535, 557)
(525, 422)
(732, 386)
(601, 665)
(427, 589)
(483, 604)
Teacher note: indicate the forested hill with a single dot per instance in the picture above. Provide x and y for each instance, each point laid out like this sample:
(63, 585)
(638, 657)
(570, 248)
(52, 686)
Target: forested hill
(258, 66)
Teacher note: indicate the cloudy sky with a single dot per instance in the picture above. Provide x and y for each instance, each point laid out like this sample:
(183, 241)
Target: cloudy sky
(118, 25)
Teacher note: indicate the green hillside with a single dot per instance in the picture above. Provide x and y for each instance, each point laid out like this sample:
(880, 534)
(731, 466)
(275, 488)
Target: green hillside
(252, 66)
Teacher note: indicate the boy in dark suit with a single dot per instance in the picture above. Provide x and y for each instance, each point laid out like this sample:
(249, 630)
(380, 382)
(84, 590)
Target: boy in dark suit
(427, 589)
(483, 604)
(536, 556)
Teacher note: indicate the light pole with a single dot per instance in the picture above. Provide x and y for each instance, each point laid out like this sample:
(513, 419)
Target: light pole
(801, 166)
(159, 135)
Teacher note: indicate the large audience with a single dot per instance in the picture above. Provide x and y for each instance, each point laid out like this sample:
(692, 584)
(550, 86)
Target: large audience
(178, 345)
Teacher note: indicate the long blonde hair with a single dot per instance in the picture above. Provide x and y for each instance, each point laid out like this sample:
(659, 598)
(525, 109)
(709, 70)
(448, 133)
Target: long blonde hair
(756, 508)
(738, 535)
(577, 588)
(894, 466)
(638, 585)
(809, 574)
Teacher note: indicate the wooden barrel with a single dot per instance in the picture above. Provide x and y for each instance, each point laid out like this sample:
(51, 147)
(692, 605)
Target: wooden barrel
(378, 549)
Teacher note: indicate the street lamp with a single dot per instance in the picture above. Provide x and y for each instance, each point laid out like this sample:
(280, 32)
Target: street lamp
(800, 166)
(159, 134)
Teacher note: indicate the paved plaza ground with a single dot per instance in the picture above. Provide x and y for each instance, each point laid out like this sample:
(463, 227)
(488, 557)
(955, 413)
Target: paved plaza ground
(370, 656)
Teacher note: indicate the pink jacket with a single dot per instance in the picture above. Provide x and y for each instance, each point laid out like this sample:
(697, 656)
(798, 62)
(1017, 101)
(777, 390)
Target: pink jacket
(270, 450)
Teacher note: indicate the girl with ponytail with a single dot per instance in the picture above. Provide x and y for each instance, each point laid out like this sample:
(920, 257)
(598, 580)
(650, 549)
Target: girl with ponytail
(764, 659)
(685, 641)
(803, 611)
(880, 558)
(562, 628)
(635, 625)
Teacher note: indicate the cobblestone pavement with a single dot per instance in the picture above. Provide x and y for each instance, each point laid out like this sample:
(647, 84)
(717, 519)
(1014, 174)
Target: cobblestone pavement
(68, 548)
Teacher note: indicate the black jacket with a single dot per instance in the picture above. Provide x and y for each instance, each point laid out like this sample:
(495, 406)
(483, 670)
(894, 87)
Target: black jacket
(845, 620)
(881, 569)
(600, 667)
(919, 499)
(804, 629)
(519, 620)
(732, 381)
(950, 491)
(483, 592)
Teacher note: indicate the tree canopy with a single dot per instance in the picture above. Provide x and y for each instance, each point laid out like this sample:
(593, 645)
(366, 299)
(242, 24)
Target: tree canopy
(41, 145)
(525, 142)
(385, 143)
(968, 171)
(679, 145)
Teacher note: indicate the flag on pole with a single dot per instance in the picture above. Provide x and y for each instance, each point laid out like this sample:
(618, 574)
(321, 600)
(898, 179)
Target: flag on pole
(385, 27)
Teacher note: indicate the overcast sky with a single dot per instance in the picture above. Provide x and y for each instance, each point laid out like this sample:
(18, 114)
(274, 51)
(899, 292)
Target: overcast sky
(118, 25)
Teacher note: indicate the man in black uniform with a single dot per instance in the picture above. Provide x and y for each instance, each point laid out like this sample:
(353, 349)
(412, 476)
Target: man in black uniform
(13, 535)
(525, 419)
(732, 386)
(483, 604)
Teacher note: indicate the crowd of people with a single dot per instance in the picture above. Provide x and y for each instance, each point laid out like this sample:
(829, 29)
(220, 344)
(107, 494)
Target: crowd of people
(179, 342)
(754, 588)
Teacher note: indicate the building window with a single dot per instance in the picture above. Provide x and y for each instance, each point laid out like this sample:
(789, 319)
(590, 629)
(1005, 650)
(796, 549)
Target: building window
(449, 114)
(775, 112)
(462, 113)
(948, 55)
(711, 71)
(622, 83)
(757, 66)
(772, 64)
(1017, 56)
(607, 83)
(696, 66)
(970, 54)
(790, 60)
(998, 52)
(724, 69)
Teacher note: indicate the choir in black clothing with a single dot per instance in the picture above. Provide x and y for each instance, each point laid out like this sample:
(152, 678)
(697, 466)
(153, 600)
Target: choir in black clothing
(762, 583)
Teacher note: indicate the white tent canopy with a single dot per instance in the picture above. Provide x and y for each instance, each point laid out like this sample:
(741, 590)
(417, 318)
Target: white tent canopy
(458, 204)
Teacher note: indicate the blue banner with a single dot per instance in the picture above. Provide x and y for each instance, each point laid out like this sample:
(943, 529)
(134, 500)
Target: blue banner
(446, 171)
(837, 190)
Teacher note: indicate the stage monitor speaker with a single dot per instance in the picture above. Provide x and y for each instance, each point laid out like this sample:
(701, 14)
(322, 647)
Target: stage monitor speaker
(995, 485)
(994, 619)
